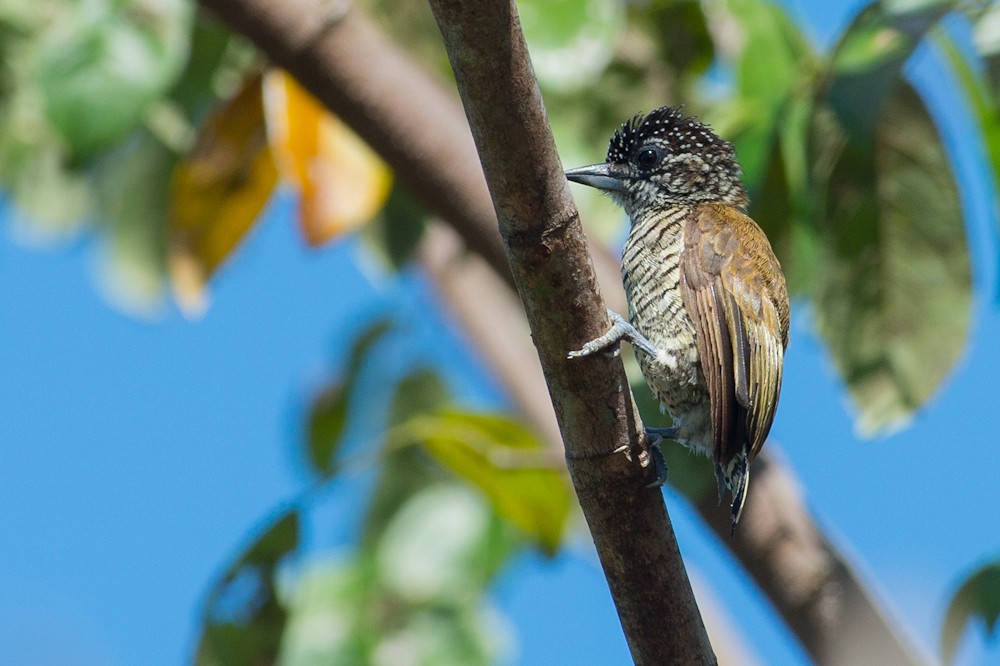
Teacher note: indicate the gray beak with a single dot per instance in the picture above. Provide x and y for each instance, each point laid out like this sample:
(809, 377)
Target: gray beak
(597, 175)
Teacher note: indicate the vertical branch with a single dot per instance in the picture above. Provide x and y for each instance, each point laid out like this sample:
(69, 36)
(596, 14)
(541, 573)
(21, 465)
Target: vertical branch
(555, 278)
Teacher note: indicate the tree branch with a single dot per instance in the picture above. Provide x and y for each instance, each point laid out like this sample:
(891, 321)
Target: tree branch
(552, 271)
(813, 587)
(362, 77)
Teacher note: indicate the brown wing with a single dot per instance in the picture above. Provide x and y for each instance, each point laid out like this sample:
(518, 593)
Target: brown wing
(735, 294)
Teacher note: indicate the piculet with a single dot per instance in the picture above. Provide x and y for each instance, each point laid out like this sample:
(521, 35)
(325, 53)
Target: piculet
(707, 302)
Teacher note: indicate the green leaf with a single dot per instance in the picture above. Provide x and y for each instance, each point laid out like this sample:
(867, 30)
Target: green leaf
(773, 51)
(132, 187)
(773, 65)
(193, 90)
(977, 598)
(420, 392)
(402, 475)
(77, 79)
(434, 562)
(19, 17)
(768, 123)
(981, 99)
(99, 68)
(465, 636)
(332, 615)
(432, 550)
(986, 31)
(395, 234)
(506, 461)
(893, 283)
(782, 204)
(327, 418)
(867, 62)
(51, 202)
(352, 612)
(420, 588)
(571, 41)
(243, 619)
(408, 470)
(681, 32)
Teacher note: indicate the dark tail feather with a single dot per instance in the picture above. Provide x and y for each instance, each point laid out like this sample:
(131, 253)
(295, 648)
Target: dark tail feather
(739, 481)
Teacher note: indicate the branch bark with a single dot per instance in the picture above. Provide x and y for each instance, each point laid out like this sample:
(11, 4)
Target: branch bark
(814, 589)
(405, 114)
(554, 276)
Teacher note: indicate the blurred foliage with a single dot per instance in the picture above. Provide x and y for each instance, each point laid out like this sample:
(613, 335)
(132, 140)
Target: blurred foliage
(893, 282)
(218, 190)
(328, 414)
(148, 125)
(91, 90)
(430, 545)
(416, 597)
(978, 597)
(341, 184)
(244, 618)
(506, 461)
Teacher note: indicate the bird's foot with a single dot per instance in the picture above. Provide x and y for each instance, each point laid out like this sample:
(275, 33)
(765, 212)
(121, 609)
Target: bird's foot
(655, 436)
(620, 330)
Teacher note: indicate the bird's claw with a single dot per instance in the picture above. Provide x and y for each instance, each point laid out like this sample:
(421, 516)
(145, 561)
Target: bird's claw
(659, 466)
(620, 330)
(611, 340)
(613, 349)
(654, 436)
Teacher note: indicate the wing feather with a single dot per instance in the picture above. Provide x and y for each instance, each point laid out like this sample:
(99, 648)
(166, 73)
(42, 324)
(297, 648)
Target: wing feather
(734, 292)
(713, 333)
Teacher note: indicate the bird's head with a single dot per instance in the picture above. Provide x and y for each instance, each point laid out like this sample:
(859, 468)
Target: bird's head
(666, 159)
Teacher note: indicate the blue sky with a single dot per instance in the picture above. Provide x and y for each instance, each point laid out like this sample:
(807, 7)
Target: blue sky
(135, 457)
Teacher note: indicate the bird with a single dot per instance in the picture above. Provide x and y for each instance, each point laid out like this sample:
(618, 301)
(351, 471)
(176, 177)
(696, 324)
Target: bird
(708, 308)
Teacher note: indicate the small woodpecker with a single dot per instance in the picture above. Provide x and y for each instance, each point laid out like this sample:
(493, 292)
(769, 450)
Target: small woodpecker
(707, 302)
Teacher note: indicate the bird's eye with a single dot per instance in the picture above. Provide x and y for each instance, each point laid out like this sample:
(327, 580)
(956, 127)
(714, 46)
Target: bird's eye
(647, 158)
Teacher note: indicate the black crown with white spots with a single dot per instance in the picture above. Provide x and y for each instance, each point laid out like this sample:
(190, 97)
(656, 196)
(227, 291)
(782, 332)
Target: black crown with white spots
(677, 133)
(691, 163)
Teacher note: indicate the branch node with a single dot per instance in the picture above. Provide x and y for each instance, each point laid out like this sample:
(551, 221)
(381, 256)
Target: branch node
(530, 237)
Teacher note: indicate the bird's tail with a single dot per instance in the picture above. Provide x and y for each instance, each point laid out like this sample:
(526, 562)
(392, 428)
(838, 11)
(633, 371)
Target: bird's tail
(738, 478)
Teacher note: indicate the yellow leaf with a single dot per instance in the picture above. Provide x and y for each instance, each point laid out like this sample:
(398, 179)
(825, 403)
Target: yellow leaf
(217, 192)
(506, 461)
(341, 183)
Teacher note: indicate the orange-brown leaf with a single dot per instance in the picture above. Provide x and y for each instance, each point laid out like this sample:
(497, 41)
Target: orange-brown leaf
(218, 191)
(341, 183)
